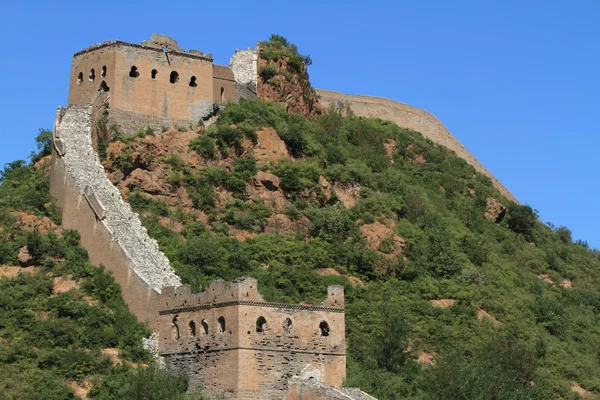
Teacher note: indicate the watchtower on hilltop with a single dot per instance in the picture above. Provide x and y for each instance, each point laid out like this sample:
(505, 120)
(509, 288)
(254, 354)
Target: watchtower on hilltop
(154, 83)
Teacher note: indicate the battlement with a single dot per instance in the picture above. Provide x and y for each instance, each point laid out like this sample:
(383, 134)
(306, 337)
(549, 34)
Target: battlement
(242, 291)
(261, 344)
(146, 45)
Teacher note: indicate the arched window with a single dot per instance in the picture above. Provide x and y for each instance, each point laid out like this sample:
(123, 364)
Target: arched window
(174, 78)
(261, 325)
(222, 95)
(134, 72)
(103, 73)
(193, 82)
(92, 76)
(287, 326)
(103, 87)
(192, 329)
(154, 73)
(175, 328)
(80, 77)
(221, 325)
(324, 327)
(204, 327)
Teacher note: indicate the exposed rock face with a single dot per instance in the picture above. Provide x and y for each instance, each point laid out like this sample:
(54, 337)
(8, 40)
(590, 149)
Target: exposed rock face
(482, 314)
(442, 303)
(347, 195)
(376, 233)
(268, 180)
(30, 221)
(25, 259)
(269, 147)
(496, 211)
(288, 88)
(281, 223)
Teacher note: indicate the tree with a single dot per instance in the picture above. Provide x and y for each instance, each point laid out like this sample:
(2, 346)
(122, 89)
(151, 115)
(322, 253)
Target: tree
(521, 219)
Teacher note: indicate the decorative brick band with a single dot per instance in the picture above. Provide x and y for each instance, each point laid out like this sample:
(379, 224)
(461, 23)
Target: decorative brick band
(250, 303)
(220, 349)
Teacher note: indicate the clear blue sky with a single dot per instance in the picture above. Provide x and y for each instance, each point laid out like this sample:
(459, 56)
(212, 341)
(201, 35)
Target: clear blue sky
(516, 81)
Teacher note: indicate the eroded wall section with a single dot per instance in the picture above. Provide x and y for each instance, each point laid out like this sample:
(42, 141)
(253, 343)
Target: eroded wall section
(110, 231)
(413, 118)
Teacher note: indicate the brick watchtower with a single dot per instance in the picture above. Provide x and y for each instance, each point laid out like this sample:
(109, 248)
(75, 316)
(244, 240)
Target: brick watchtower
(154, 84)
(230, 341)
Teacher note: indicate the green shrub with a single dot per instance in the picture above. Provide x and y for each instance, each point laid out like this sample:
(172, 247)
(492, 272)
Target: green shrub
(150, 383)
(330, 223)
(205, 146)
(521, 219)
(267, 72)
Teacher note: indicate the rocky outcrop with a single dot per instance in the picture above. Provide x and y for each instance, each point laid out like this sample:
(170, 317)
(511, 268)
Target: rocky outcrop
(269, 147)
(383, 239)
(284, 85)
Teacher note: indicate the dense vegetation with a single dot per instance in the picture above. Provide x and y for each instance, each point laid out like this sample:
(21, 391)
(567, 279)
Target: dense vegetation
(544, 336)
(49, 338)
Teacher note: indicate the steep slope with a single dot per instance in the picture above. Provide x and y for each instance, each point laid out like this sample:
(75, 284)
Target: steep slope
(65, 331)
(410, 117)
(453, 291)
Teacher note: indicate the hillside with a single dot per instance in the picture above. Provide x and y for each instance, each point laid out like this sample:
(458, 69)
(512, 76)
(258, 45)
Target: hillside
(452, 290)
(65, 331)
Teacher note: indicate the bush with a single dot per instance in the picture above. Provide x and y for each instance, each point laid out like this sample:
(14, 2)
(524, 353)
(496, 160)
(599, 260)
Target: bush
(267, 72)
(205, 146)
(151, 383)
(332, 223)
(521, 219)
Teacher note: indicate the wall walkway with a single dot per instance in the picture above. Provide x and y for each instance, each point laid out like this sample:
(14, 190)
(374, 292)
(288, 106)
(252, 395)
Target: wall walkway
(413, 118)
(110, 231)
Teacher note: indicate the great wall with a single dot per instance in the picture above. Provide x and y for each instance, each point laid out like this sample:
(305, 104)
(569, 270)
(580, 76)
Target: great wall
(228, 340)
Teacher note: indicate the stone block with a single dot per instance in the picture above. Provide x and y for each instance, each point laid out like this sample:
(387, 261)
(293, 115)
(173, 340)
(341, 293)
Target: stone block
(94, 203)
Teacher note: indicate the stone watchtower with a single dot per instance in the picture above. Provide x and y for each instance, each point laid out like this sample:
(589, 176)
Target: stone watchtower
(154, 83)
(230, 341)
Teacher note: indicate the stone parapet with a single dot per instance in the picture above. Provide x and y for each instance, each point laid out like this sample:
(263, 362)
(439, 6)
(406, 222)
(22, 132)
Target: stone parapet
(86, 175)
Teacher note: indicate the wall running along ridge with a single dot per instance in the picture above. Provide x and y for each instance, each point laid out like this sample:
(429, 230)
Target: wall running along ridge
(413, 118)
(231, 358)
(110, 231)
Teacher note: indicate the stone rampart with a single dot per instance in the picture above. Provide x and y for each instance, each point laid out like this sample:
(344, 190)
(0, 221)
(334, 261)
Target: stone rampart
(309, 389)
(413, 118)
(110, 231)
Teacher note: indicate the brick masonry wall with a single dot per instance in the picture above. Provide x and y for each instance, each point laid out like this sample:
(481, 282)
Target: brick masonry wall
(111, 233)
(413, 118)
(258, 363)
(138, 81)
